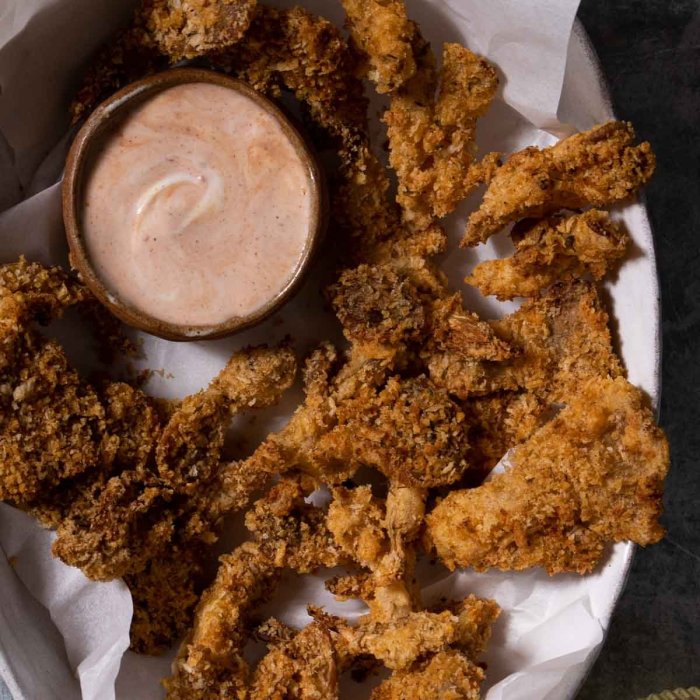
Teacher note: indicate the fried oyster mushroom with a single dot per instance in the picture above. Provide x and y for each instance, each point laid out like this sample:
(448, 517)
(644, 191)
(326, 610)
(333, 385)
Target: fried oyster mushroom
(551, 250)
(52, 423)
(594, 168)
(189, 28)
(431, 128)
(431, 117)
(591, 476)
(383, 35)
(378, 535)
(562, 338)
(429, 652)
(409, 430)
(447, 674)
(304, 667)
(118, 527)
(446, 641)
(162, 32)
(288, 533)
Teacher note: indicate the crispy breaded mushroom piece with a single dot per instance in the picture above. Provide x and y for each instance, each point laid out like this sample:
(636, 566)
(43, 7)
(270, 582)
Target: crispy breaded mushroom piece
(447, 674)
(210, 661)
(192, 440)
(303, 668)
(289, 533)
(164, 595)
(557, 248)
(383, 34)
(379, 536)
(306, 54)
(52, 423)
(499, 422)
(377, 305)
(431, 130)
(132, 427)
(563, 339)
(117, 528)
(408, 429)
(411, 431)
(356, 413)
(403, 641)
(591, 476)
(189, 28)
(294, 532)
(594, 168)
(455, 330)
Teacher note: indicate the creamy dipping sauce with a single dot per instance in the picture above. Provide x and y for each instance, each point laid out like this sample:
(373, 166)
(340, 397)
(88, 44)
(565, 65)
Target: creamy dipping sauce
(197, 208)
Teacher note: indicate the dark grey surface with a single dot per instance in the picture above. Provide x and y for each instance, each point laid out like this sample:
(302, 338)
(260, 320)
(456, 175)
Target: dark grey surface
(650, 52)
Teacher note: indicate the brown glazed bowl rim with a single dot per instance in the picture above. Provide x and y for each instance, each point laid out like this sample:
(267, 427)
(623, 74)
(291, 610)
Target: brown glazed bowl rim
(88, 138)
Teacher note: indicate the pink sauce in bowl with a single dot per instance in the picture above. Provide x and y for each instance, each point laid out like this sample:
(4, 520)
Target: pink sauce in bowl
(197, 208)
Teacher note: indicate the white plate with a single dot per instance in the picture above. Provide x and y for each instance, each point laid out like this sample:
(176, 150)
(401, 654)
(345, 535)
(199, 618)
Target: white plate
(552, 628)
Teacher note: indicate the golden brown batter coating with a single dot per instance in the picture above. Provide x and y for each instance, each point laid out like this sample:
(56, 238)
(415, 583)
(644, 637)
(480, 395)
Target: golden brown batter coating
(435, 650)
(294, 533)
(411, 431)
(375, 304)
(455, 330)
(557, 248)
(591, 476)
(499, 422)
(191, 443)
(448, 675)
(383, 35)
(210, 664)
(51, 422)
(563, 338)
(356, 520)
(308, 55)
(132, 427)
(432, 129)
(295, 446)
(164, 595)
(303, 668)
(289, 534)
(405, 640)
(189, 28)
(378, 535)
(595, 168)
(115, 530)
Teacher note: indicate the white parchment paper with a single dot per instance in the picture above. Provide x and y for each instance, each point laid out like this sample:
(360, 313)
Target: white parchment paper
(63, 636)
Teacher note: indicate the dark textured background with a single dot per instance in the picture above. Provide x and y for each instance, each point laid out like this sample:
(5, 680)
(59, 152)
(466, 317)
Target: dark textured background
(650, 52)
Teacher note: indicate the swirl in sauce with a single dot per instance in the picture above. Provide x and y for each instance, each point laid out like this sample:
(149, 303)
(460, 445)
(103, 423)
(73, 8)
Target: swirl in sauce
(197, 208)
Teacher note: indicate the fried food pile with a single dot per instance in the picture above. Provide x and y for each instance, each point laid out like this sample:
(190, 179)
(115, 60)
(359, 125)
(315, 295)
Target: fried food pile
(426, 397)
